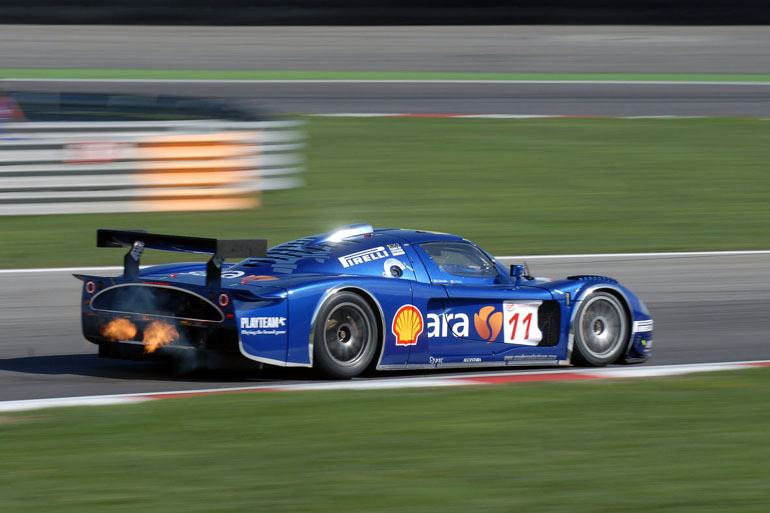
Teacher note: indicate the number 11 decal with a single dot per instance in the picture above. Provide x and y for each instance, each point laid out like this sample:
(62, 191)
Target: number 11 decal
(515, 321)
(521, 323)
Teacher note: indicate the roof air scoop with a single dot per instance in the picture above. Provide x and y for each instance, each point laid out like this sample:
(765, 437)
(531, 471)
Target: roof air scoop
(351, 230)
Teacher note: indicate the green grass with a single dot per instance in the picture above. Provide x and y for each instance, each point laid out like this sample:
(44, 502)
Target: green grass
(689, 444)
(187, 74)
(514, 186)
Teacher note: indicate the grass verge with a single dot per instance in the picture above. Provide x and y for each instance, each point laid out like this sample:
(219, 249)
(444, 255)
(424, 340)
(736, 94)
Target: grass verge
(688, 444)
(514, 186)
(182, 74)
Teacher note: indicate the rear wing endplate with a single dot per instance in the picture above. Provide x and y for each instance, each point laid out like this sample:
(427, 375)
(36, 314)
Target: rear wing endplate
(220, 249)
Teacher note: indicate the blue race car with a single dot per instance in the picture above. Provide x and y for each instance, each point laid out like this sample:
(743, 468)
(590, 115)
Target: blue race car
(355, 299)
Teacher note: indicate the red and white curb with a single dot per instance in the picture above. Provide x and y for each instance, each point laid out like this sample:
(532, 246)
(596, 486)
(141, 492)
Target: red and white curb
(487, 378)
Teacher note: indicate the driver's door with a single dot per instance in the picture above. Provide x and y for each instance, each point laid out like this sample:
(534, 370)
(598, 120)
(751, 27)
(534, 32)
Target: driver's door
(484, 316)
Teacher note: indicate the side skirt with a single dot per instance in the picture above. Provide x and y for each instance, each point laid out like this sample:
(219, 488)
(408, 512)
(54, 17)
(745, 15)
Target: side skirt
(470, 365)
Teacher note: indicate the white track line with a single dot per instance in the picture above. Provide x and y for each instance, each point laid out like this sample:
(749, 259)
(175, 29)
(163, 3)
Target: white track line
(60, 270)
(512, 257)
(392, 81)
(394, 383)
(38, 404)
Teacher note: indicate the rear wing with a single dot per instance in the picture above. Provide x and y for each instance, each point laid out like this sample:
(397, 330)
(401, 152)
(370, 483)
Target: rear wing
(220, 249)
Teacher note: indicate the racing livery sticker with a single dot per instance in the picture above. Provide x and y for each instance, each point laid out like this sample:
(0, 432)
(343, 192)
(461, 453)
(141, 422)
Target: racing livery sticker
(394, 268)
(487, 322)
(521, 323)
(225, 274)
(395, 249)
(439, 325)
(363, 256)
(263, 325)
(257, 277)
(530, 357)
(643, 326)
(407, 325)
(488, 326)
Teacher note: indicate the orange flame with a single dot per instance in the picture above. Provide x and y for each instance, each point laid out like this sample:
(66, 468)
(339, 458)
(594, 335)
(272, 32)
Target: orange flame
(407, 325)
(119, 329)
(157, 334)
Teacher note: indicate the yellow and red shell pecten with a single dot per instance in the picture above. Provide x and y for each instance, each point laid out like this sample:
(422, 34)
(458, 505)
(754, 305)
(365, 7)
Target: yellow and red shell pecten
(407, 325)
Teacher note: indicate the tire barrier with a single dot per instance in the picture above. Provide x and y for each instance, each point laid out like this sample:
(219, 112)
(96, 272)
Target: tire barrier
(77, 167)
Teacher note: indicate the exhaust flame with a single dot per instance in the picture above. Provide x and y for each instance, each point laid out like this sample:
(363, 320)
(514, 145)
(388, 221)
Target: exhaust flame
(157, 334)
(119, 329)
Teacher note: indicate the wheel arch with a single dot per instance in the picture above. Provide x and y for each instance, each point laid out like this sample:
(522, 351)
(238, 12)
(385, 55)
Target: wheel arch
(620, 295)
(367, 296)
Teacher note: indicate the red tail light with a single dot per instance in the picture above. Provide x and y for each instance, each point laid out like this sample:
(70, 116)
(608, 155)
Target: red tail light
(90, 287)
(224, 300)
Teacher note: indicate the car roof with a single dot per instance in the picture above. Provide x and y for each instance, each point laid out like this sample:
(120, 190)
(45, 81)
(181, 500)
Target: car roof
(418, 236)
(326, 253)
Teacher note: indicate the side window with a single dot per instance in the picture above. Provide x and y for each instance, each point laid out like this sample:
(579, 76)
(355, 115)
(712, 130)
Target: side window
(460, 259)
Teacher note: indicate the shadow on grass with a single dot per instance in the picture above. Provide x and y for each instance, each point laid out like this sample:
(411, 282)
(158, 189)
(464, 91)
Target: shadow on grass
(93, 366)
(87, 374)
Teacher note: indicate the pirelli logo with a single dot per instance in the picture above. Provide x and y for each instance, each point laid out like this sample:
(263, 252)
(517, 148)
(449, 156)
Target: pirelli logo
(363, 256)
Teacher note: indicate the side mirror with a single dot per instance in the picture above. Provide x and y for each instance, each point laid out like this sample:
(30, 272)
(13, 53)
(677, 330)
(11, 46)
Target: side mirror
(517, 271)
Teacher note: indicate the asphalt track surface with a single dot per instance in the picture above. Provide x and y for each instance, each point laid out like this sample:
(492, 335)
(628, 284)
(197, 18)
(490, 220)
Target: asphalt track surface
(706, 309)
(531, 49)
(509, 49)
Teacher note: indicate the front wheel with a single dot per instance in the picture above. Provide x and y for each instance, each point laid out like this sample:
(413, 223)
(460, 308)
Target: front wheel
(601, 330)
(345, 336)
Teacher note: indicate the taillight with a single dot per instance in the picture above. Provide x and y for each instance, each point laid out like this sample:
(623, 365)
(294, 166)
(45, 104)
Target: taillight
(224, 300)
(90, 287)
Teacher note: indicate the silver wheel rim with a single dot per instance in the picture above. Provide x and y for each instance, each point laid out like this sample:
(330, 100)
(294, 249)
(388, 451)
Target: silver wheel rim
(346, 333)
(603, 326)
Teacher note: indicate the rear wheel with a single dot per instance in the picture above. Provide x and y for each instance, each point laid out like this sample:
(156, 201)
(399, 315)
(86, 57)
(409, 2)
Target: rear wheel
(601, 330)
(345, 336)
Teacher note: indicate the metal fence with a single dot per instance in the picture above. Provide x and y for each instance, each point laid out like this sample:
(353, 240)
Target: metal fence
(133, 166)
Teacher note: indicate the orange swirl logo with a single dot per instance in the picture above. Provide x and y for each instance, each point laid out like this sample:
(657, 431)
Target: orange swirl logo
(488, 326)
(407, 325)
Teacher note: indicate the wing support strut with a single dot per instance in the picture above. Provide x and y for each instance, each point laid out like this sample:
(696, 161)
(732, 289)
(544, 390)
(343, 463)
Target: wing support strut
(219, 249)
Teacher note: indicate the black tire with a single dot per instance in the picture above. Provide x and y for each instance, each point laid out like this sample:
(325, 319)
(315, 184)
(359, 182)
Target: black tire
(345, 336)
(601, 330)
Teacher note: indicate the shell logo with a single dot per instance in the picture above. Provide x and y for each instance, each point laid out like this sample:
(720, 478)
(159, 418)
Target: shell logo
(488, 326)
(407, 325)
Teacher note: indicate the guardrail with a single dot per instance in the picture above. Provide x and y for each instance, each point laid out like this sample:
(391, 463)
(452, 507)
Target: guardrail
(133, 166)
